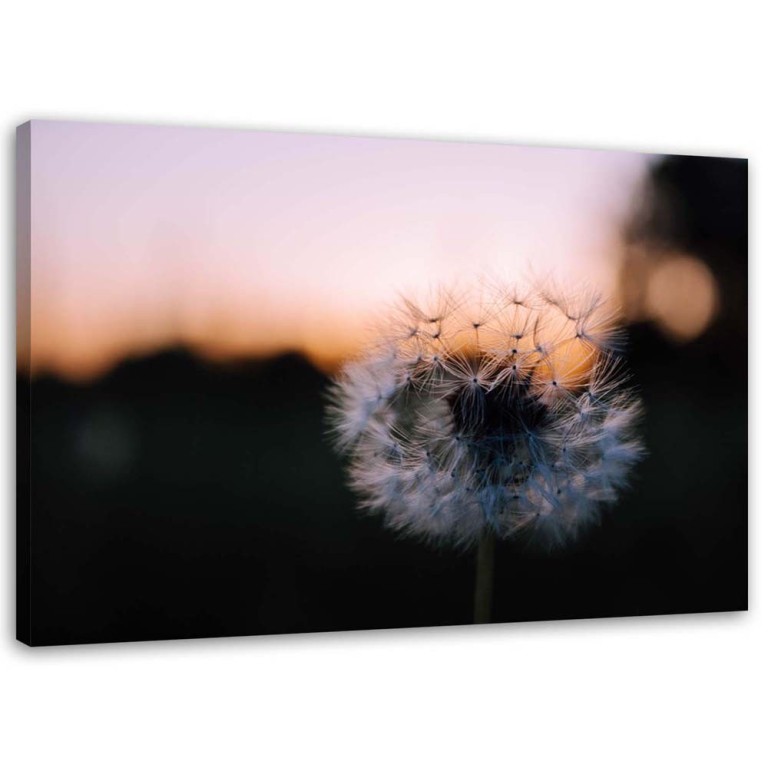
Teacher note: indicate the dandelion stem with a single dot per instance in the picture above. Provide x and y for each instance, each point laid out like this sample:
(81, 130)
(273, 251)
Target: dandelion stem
(484, 576)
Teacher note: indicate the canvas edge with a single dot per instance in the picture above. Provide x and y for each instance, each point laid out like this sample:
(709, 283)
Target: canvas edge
(23, 405)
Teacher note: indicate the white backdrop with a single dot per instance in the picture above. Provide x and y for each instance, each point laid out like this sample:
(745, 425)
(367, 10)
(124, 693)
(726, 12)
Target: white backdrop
(651, 76)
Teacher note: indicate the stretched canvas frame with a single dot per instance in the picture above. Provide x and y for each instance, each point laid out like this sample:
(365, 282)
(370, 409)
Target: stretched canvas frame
(187, 467)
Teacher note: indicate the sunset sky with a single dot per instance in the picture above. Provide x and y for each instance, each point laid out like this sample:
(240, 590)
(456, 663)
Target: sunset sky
(236, 242)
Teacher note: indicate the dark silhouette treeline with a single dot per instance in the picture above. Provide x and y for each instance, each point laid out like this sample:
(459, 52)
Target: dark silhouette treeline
(173, 498)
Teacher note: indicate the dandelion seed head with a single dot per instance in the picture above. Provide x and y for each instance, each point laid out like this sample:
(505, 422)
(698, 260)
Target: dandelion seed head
(507, 409)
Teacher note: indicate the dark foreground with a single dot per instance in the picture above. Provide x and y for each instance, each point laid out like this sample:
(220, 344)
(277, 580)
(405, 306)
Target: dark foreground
(171, 500)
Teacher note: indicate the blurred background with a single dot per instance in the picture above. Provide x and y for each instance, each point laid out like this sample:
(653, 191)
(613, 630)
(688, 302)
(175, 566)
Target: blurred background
(192, 290)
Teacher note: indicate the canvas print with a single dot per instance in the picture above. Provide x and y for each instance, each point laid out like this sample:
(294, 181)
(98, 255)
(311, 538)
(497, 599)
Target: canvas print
(276, 383)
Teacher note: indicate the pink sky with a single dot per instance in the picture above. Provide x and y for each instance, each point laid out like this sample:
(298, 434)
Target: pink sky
(245, 242)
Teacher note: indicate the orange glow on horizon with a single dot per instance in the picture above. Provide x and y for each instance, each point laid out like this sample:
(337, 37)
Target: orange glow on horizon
(238, 243)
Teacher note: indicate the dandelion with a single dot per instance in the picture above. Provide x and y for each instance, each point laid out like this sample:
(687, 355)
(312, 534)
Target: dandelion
(492, 415)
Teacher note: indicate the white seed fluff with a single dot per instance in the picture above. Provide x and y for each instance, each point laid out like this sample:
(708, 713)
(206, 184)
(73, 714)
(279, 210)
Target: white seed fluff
(509, 412)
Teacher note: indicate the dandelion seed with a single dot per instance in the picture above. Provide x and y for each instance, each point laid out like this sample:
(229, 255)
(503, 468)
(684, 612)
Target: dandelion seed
(488, 417)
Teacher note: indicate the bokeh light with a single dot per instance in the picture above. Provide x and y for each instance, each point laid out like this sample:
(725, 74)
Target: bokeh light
(682, 296)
